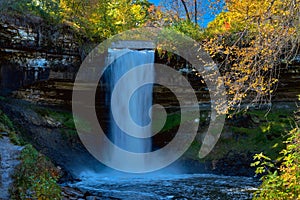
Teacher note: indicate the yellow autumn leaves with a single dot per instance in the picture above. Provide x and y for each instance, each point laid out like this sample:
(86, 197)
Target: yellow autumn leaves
(249, 41)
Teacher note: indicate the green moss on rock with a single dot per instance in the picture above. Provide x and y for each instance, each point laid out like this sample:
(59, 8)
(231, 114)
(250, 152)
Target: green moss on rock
(262, 132)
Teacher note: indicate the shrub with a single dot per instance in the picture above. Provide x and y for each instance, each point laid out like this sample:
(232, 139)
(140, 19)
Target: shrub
(283, 181)
(36, 177)
(5, 123)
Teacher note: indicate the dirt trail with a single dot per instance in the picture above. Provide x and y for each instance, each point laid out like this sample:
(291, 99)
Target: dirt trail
(9, 154)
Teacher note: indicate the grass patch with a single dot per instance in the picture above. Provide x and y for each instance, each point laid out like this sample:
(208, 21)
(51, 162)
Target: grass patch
(193, 151)
(5, 123)
(68, 133)
(2, 98)
(67, 121)
(15, 138)
(174, 119)
(65, 118)
(36, 177)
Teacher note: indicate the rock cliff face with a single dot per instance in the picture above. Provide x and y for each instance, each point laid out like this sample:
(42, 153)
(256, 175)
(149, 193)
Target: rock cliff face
(32, 50)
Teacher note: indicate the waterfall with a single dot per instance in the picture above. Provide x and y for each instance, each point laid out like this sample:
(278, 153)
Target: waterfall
(140, 102)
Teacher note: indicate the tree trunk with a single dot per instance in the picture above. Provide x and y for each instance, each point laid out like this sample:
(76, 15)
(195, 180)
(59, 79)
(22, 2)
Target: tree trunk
(196, 11)
(186, 10)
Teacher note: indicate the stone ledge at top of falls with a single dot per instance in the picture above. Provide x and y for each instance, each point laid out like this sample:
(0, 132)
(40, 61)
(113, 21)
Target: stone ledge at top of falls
(133, 44)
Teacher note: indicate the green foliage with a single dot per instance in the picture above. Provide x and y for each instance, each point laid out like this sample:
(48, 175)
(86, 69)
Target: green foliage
(249, 40)
(47, 9)
(280, 181)
(189, 29)
(227, 22)
(254, 137)
(36, 177)
(251, 139)
(193, 151)
(102, 19)
(95, 20)
(5, 123)
(15, 139)
(2, 98)
(174, 119)
(64, 118)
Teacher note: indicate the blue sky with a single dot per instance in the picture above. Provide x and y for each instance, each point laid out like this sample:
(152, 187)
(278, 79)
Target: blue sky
(156, 2)
(207, 17)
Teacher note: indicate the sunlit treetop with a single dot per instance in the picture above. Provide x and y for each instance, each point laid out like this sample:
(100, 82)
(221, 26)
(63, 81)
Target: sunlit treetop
(252, 15)
(250, 40)
(102, 18)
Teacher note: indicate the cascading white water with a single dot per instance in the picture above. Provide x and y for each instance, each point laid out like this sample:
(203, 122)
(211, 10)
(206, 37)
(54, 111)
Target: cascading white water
(125, 60)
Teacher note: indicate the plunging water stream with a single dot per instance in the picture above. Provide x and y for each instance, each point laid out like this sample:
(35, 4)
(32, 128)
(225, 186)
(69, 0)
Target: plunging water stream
(139, 103)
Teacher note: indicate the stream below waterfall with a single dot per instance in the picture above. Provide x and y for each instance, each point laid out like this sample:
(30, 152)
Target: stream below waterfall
(164, 186)
(128, 83)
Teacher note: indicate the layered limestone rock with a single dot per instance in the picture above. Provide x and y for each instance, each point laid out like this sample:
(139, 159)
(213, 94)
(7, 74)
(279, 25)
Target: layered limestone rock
(32, 50)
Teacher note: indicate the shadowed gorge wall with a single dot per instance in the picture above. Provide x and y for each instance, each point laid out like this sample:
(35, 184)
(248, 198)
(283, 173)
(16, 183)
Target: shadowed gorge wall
(32, 50)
